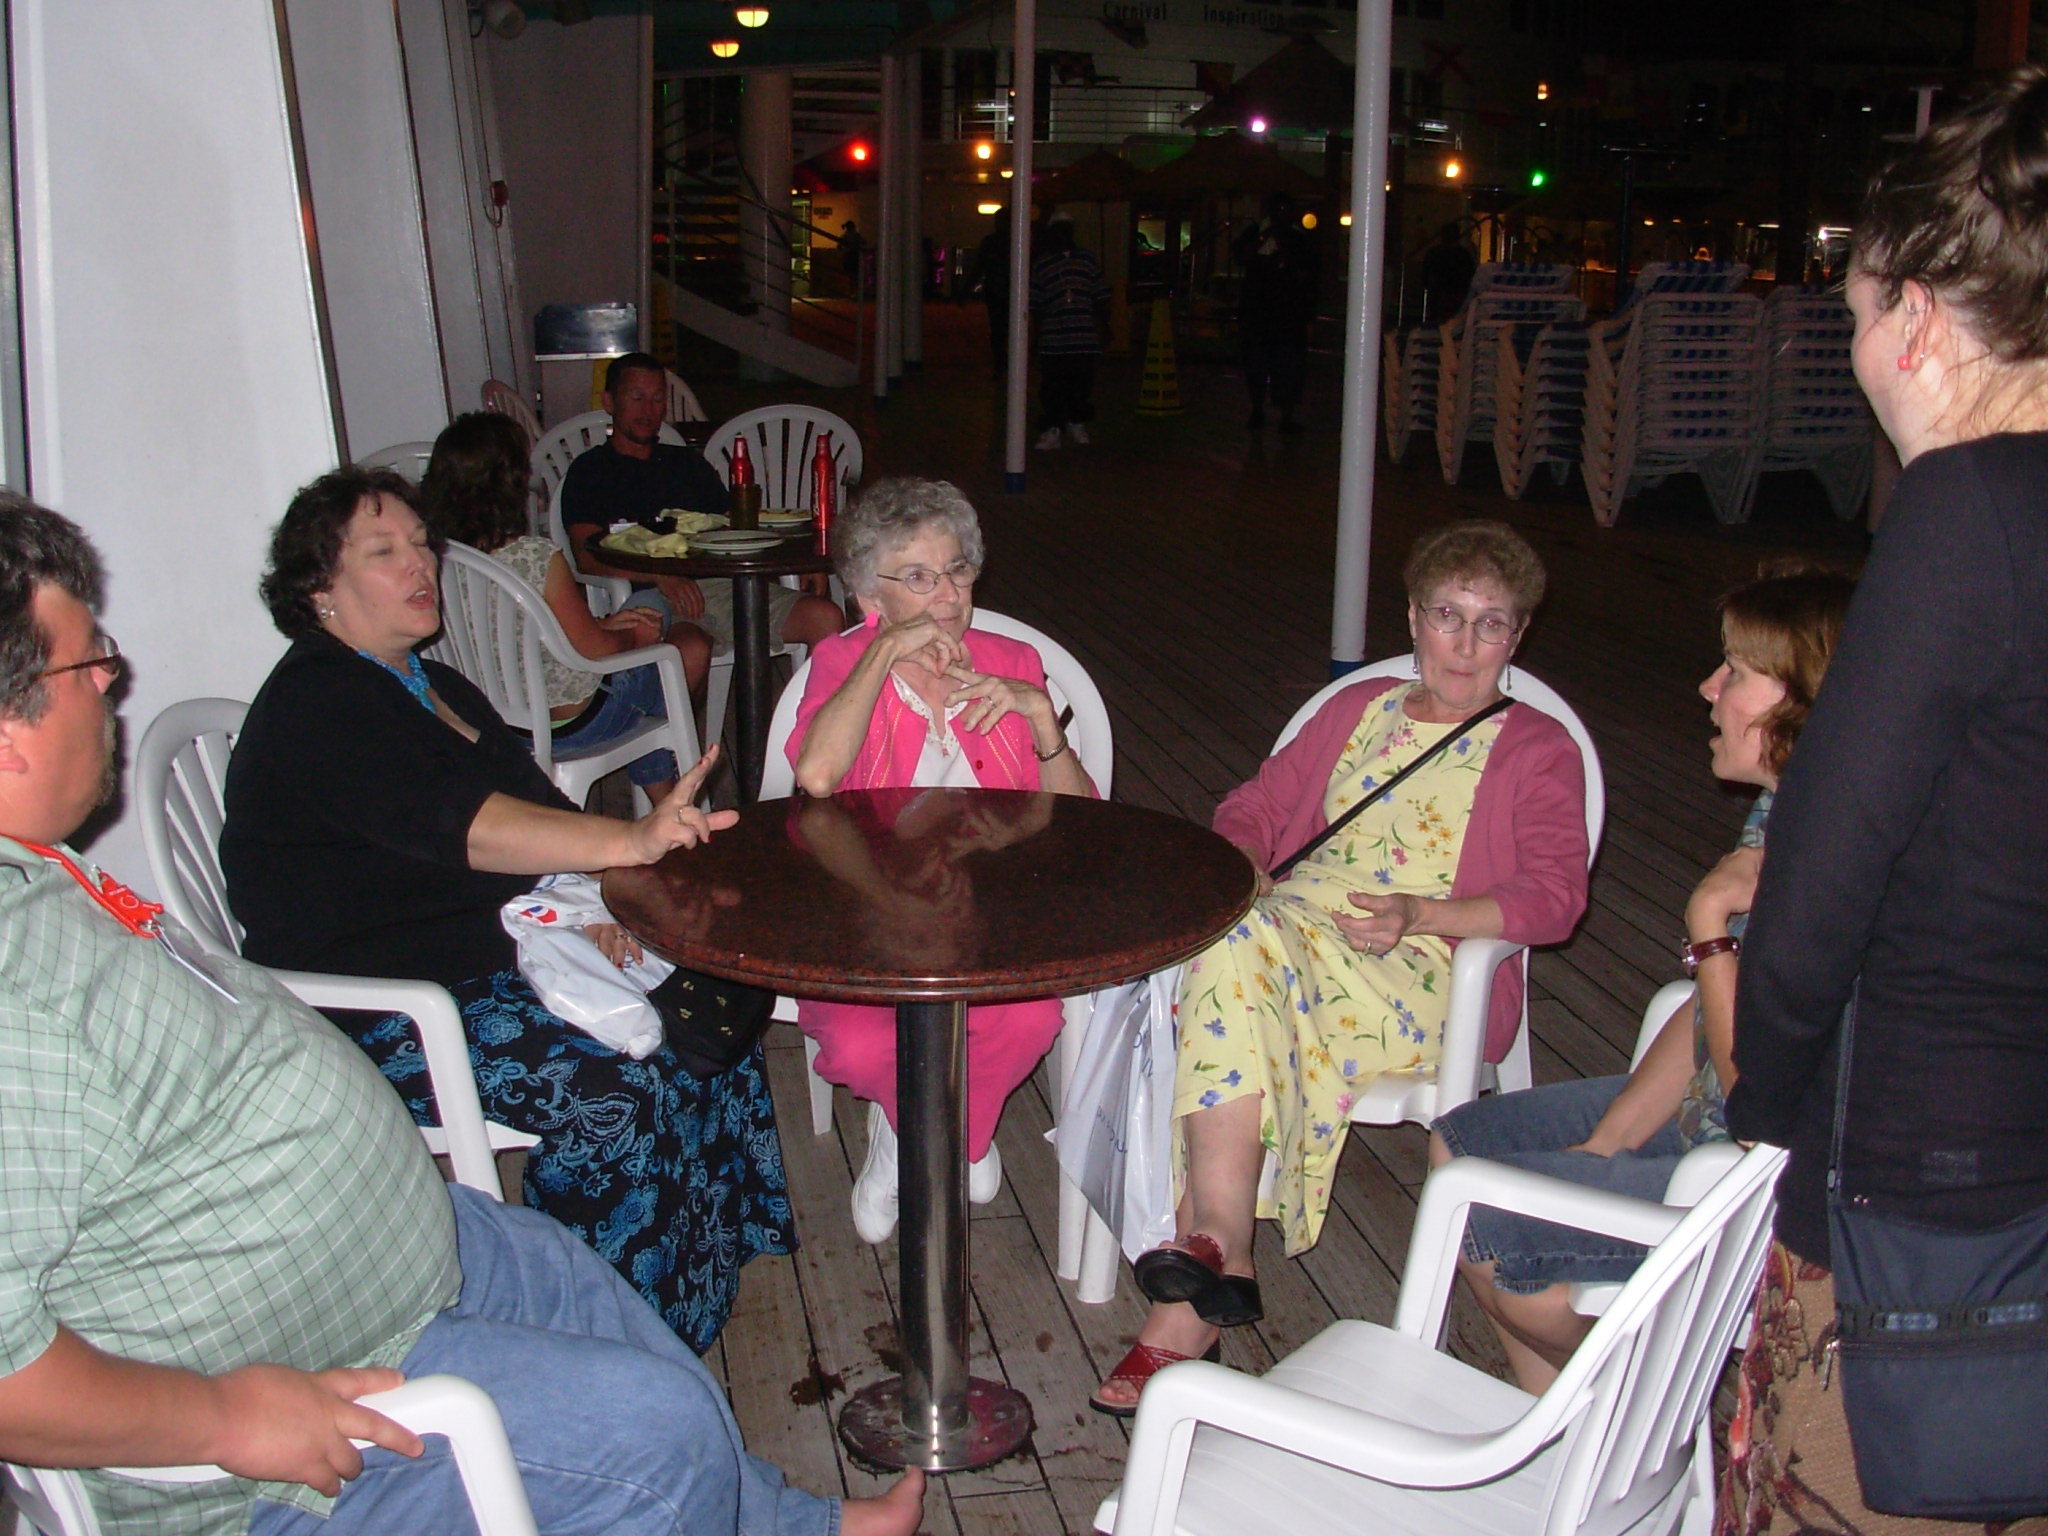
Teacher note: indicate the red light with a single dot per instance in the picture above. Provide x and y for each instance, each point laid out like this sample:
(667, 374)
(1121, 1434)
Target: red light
(859, 152)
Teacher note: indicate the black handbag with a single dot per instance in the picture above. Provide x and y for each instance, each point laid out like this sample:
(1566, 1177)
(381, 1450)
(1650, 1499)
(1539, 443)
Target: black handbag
(1942, 1341)
(710, 1024)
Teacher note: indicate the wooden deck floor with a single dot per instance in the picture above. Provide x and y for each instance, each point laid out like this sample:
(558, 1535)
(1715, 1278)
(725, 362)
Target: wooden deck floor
(1188, 566)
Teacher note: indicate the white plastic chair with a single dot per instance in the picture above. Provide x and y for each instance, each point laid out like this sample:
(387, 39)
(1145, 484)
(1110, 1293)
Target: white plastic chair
(1370, 1428)
(54, 1503)
(495, 632)
(1087, 1248)
(1463, 1071)
(180, 779)
(683, 404)
(507, 401)
(781, 440)
(409, 459)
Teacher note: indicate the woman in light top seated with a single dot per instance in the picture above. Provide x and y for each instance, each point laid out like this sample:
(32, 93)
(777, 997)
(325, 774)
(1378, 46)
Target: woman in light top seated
(474, 492)
(913, 697)
(1628, 1133)
(1342, 971)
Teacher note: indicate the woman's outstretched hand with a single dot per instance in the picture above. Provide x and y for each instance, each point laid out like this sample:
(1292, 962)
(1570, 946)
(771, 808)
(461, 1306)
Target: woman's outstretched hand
(678, 821)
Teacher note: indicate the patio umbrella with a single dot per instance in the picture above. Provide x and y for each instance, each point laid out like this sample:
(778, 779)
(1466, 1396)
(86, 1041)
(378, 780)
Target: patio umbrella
(1227, 164)
(1304, 85)
(1097, 177)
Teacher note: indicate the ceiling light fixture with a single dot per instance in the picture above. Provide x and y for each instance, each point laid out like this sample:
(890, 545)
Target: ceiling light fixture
(750, 15)
(725, 47)
(988, 208)
(984, 150)
(1258, 125)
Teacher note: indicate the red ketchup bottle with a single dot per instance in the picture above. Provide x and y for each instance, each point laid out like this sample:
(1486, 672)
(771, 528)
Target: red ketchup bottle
(824, 491)
(742, 462)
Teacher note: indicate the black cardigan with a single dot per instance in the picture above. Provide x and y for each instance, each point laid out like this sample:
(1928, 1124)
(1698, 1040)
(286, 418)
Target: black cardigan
(348, 813)
(1909, 846)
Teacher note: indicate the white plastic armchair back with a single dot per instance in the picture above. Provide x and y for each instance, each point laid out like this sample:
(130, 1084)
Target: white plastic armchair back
(1067, 682)
(507, 401)
(557, 449)
(409, 459)
(683, 404)
(54, 1503)
(495, 631)
(1463, 1071)
(180, 782)
(1368, 1428)
(781, 440)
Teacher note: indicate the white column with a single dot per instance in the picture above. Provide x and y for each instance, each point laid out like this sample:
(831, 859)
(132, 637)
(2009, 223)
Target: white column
(911, 212)
(363, 171)
(767, 156)
(159, 206)
(888, 361)
(1024, 81)
(1362, 334)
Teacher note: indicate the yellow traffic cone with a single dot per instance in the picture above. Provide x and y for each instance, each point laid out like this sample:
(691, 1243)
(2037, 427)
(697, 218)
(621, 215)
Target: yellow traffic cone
(1159, 394)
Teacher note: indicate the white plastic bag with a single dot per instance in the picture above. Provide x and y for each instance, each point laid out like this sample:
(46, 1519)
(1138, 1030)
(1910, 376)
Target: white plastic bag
(1116, 1121)
(572, 975)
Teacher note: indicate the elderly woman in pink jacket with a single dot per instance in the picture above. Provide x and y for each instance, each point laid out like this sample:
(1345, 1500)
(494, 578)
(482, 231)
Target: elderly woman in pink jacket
(1342, 970)
(913, 697)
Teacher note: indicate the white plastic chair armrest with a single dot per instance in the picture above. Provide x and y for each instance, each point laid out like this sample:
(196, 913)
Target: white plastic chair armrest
(1473, 964)
(667, 664)
(613, 590)
(1353, 1439)
(1464, 1182)
(1669, 998)
(430, 1405)
(442, 1044)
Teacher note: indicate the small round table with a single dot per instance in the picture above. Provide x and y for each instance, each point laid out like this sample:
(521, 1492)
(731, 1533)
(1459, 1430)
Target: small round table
(930, 899)
(753, 649)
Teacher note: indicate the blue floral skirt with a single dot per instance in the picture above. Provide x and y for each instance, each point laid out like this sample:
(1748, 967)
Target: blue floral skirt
(675, 1181)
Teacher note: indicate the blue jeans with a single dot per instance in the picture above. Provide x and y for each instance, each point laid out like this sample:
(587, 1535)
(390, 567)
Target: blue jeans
(1532, 1129)
(617, 1427)
(630, 697)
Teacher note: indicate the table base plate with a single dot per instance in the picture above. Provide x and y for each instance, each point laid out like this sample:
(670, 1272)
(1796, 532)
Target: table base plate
(998, 1424)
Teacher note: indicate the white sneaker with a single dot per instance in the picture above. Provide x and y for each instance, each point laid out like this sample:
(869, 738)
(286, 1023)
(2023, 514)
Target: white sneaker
(985, 1177)
(1076, 433)
(874, 1192)
(1048, 439)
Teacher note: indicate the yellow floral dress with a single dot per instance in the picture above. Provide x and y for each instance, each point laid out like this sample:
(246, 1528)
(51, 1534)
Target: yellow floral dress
(1283, 1006)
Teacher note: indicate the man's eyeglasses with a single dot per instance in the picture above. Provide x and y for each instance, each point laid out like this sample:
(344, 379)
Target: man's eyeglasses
(109, 657)
(1490, 627)
(924, 581)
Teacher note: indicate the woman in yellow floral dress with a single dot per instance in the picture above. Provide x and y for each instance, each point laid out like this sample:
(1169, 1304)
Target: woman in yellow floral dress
(1342, 971)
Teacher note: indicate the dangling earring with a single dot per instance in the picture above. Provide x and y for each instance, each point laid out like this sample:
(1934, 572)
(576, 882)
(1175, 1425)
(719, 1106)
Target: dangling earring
(1507, 677)
(1905, 362)
(1414, 665)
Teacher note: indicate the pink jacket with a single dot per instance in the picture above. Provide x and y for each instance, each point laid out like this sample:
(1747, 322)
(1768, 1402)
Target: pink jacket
(1003, 758)
(1525, 845)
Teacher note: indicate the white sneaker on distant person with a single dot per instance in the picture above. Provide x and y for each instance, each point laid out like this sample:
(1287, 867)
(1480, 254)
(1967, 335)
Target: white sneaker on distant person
(1077, 434)
(985, 1177)
(874, 1192)
(1048, 439)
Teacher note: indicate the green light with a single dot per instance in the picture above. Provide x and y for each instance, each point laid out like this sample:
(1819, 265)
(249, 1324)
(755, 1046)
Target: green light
(1537, 178)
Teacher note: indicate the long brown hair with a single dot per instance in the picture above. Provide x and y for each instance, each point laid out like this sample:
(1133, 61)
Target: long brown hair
(1785, 625)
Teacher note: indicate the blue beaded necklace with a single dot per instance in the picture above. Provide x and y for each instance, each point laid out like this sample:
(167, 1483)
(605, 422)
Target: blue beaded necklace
(414, 676)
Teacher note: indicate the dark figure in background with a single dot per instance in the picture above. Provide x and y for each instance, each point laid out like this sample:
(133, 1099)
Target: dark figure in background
(1070, 301)
(992, 276)
(1276, 307)
(853, 248)
(1447, 271)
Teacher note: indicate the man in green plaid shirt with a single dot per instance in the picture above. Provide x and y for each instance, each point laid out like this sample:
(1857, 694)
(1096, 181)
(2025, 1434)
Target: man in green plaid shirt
(222, 1227)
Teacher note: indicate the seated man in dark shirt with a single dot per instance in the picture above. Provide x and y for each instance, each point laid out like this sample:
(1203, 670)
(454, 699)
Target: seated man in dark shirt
(635, 476)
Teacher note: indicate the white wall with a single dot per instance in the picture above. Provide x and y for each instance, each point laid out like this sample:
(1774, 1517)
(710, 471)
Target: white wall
(175, 388)
(353, 113)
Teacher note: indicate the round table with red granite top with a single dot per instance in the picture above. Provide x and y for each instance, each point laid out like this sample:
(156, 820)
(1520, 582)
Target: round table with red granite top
(752, 646)
(928, 900)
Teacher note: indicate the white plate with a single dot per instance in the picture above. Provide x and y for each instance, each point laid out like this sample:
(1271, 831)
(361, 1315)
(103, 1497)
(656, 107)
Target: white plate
(792, 519)
(734, 541)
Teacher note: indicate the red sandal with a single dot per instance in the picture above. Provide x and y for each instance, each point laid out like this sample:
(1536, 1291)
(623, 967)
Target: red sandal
(1143, 1363)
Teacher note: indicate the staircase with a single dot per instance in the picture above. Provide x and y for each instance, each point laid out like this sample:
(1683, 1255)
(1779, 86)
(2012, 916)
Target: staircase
(710, 224)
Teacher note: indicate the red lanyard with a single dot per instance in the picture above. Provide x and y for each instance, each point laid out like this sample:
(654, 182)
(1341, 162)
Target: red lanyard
(127, 908)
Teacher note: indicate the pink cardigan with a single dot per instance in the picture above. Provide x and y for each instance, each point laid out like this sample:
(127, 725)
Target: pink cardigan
(1525, 845)
(1003, 758)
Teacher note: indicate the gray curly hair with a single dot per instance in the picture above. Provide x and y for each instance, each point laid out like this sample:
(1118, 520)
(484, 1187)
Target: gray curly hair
(888, 514)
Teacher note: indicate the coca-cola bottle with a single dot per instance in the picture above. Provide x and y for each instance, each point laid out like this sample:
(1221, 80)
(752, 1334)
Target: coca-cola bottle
(742, 490)
(824, 491)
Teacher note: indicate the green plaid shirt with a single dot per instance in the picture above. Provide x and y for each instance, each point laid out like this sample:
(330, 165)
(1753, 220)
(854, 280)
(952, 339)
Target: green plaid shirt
(192, 1181)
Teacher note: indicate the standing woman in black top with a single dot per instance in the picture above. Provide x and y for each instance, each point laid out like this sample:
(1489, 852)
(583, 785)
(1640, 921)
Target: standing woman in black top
(379, 815)
(1909, 843)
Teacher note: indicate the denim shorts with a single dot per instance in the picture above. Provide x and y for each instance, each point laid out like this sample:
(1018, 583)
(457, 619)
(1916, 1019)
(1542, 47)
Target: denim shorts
(1530, 1130)
(630, 697)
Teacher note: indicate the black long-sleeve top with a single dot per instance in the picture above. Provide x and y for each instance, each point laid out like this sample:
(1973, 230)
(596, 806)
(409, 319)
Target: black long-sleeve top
(1909, 847)
(346, 847)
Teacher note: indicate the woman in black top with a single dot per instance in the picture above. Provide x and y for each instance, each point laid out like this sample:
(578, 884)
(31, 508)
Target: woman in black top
(379, 814)
(1909, 843)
